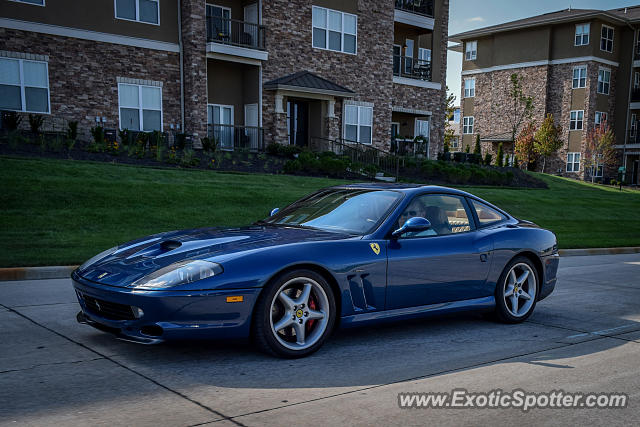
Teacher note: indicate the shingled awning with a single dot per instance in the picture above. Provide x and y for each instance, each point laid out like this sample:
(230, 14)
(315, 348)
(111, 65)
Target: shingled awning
(307, 82)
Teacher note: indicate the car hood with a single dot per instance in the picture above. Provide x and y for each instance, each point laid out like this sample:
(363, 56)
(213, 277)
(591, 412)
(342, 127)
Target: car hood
(141, 257)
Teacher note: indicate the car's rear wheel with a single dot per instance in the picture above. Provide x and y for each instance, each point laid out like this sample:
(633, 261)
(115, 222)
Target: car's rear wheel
(294, 314)
(517, 291)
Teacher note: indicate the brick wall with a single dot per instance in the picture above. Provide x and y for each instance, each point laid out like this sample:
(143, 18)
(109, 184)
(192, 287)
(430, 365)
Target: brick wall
(82, 76)
(369, 73)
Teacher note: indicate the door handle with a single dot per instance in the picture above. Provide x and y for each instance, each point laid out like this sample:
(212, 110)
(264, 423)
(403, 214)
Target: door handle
(483, 257)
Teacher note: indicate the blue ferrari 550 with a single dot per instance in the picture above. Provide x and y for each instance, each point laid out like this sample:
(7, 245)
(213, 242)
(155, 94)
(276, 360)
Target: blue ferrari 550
(341, 257)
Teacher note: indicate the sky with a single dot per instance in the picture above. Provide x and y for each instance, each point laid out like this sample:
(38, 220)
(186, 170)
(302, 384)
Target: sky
(465, 15)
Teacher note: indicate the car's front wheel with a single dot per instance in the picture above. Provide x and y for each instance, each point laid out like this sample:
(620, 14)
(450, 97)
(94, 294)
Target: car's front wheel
(294, 314)
(517, 291)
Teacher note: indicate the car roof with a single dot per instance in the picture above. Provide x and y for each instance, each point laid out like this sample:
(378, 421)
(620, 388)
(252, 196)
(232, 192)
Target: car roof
(404, 187)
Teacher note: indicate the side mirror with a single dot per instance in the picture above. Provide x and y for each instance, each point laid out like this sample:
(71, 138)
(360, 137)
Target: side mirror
(274, 211)
(414, 224)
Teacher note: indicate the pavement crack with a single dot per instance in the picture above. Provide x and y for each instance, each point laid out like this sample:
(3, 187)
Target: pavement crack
(592, 334)
(123, 366)
(39, 365)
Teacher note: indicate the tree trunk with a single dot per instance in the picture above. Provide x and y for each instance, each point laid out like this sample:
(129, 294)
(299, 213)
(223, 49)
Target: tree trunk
(544, 162)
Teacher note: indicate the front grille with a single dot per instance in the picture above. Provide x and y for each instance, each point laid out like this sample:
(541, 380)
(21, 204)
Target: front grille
(108, 310)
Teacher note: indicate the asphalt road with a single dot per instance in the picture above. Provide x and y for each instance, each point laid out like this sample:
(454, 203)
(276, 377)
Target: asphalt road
(585, 338)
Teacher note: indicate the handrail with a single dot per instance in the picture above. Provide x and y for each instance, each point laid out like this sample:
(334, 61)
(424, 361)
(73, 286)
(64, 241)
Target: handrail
(235, 32)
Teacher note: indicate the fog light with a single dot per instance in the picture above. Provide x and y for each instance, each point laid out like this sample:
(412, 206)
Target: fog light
(137, 312)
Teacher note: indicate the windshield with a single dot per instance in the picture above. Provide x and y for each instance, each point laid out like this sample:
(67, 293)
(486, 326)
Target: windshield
(354, 211)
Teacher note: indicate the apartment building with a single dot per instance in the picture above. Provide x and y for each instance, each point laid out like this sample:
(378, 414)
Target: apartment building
(244, 72)
(581, 65)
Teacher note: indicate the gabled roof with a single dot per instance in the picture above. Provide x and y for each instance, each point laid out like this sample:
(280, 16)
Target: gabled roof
(305, 81)
(566, 15)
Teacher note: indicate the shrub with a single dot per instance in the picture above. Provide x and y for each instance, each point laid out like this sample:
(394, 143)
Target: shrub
(500, 156)
(125, 137)
(189, 158)
(35, 122)
(487, 159)
(206, 143)
(292, 166)
(181, 141)
(476, 149)
(98, 134)
(72, 131)
(281, 150)
(11, 120)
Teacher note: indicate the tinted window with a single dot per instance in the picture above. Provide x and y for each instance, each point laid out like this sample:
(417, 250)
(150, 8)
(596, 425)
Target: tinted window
(486, 215)
(447, 215)
(348, 210)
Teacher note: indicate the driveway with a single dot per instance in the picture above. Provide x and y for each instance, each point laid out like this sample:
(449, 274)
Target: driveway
(585, 337)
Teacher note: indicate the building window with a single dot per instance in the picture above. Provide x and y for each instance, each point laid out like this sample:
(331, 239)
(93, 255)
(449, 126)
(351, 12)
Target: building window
(467, 125)
(408, 53)
(573, 162)
(596, 171)
(147, 11)
(140, 107)
(604, 80)
(633, 127)
(601, 118)
(358, 123)
(471, 51)
(576, 118)
(606, 39)
(334, 30)
(395, 129)
(636, 80)
(582, 34)
(579, 77)
(469, 88)
(24, 85)
(35, 2)
(454, 142)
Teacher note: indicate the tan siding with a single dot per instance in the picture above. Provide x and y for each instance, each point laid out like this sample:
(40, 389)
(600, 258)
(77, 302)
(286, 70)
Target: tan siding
(230, 83)
(468, 105)
(575, 140)
(577, 99)
(563, 41)
(100, 17)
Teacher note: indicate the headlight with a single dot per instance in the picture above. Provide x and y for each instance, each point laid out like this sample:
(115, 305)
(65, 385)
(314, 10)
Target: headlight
(97, 258)
(179, 273)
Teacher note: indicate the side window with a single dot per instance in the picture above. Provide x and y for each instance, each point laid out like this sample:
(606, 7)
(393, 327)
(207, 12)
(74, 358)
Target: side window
(447, 215)
(486, 215)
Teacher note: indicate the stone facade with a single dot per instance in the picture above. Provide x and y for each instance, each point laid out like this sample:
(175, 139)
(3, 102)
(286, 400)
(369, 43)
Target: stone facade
(369, 73)
(194, 40)
(83, 77)
(552, 92)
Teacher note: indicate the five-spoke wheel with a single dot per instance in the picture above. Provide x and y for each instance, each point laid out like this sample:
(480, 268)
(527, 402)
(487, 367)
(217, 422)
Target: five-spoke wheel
(517, 292)
(295, 314)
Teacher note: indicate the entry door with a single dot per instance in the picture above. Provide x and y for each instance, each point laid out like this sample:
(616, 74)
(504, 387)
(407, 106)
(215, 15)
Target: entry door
(220, 119)
(298, 122)
(251, 125)
(449, 262)
(251, 17)
(422, 129)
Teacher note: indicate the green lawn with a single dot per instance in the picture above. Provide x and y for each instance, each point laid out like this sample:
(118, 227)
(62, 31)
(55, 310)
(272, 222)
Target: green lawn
(62, 212)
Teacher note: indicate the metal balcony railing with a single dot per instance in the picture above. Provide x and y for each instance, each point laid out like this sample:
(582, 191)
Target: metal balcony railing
(231, 137)
(421, 7)
(412, 68)
(236, 33)
(636, 51)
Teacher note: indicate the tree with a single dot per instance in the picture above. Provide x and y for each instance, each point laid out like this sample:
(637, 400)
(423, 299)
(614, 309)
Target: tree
(476, 149)
(599, 149)
(521, 108)
(524, 145)
(448, 129)
(546, 140)
(500, 156)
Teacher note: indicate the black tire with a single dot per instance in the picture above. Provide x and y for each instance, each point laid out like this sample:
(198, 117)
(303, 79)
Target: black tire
(504, 313)
(262, 331)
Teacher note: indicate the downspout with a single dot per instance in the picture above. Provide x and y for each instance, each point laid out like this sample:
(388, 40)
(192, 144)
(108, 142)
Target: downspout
(181, 48)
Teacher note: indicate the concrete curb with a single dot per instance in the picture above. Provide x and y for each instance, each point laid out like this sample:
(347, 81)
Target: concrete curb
(599, 251)
(63, 272)
(36, 273)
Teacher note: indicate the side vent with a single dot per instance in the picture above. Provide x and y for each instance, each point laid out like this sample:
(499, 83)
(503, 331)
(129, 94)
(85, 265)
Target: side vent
(361, 291)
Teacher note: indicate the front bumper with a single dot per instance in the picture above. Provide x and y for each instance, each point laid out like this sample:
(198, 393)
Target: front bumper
(166, 315)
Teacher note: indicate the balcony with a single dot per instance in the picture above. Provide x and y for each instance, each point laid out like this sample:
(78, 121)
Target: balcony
(635, 95)
(234, 37)
(232, 137)
(420, 7)
(416, 70)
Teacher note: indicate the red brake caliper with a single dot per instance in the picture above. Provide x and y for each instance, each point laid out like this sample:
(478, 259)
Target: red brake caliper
(312, 306)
